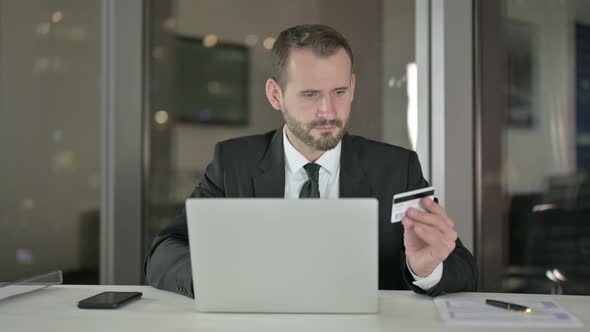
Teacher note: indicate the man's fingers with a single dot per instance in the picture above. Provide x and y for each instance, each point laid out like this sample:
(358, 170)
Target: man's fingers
(433, 238)
(441, 223)
(428, 234)
(432, 207)
(435, 210)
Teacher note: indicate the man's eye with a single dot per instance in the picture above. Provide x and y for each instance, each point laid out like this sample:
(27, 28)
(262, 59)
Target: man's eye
(340, 92)
(309, 94)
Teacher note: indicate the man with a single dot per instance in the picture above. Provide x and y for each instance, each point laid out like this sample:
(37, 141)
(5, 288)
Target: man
(312, 156)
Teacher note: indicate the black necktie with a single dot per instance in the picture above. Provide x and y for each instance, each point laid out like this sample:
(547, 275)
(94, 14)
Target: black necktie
(311, 187)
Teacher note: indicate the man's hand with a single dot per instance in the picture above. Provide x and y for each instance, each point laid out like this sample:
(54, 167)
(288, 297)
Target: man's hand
(429, 237)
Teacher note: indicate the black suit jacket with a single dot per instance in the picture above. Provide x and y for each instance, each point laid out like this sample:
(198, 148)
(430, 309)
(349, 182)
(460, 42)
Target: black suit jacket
(254, 166)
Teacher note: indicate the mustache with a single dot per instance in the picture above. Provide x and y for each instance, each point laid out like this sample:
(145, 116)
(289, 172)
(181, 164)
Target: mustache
(325, 122)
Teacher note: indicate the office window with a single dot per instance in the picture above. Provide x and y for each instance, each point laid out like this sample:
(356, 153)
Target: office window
(50, 141)
(539, 139)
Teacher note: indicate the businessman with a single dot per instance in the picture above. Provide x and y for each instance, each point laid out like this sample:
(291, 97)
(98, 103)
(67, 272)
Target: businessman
(313, 156)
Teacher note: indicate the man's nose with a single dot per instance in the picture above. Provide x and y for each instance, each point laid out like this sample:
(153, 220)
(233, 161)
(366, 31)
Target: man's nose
(327, 109)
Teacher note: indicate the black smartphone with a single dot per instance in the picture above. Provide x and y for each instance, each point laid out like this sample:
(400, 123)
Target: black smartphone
(108, 300)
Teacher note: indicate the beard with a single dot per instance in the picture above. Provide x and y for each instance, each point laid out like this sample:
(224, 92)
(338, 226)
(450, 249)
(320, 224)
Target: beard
(302, 131)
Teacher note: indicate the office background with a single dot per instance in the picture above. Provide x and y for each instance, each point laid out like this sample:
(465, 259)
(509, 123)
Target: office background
(110, 111)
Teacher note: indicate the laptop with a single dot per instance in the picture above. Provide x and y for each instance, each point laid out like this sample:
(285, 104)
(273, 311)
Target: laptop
(284, 255)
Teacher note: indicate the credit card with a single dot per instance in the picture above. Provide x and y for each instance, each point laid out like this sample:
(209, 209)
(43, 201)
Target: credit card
(403, 201)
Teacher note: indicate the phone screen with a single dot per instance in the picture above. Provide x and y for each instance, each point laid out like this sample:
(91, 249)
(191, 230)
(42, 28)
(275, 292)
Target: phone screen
(108, 299)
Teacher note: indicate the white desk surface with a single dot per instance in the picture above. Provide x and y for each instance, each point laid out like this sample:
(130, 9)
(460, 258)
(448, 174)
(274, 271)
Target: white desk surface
(55, 309)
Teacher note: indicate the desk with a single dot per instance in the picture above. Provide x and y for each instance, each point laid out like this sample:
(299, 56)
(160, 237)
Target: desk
(54, 309)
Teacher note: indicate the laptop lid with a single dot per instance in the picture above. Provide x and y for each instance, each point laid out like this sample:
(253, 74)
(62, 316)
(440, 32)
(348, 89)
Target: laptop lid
(284, 255)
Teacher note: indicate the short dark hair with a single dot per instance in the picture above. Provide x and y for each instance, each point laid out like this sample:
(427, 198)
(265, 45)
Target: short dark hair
(321, 39)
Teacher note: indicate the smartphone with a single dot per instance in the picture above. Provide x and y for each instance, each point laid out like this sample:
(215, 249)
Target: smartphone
(108, 300)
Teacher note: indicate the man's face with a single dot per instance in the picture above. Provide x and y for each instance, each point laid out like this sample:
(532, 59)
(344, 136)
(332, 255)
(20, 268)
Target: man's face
(317, 97)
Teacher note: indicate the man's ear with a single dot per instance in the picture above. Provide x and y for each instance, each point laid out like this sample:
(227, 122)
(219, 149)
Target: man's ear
(274, 94)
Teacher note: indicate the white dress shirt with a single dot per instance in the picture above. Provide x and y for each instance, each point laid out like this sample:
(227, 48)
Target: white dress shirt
(329, 185)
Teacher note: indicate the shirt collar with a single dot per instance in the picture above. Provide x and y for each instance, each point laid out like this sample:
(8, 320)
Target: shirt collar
(330, 160)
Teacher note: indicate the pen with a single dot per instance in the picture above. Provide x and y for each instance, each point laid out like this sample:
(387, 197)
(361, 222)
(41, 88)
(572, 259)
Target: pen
(509, 306)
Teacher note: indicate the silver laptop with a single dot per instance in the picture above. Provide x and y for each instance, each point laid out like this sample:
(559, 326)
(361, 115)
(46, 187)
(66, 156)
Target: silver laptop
(284, 255)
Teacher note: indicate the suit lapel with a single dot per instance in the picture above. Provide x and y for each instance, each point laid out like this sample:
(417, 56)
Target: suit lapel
(353, 182)
(270, 182)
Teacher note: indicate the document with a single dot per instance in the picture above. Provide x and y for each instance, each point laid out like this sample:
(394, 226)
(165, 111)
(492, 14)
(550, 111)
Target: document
(472, 312)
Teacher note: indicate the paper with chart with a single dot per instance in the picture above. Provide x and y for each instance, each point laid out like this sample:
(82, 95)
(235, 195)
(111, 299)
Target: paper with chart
(474, 312)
